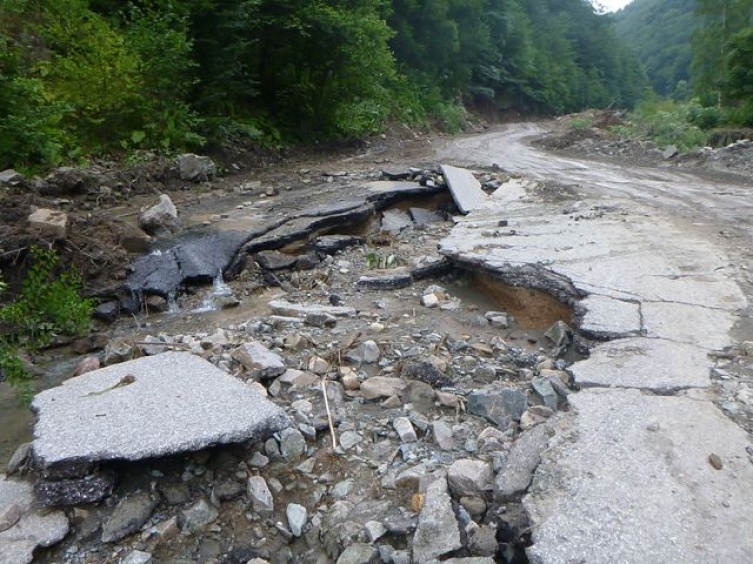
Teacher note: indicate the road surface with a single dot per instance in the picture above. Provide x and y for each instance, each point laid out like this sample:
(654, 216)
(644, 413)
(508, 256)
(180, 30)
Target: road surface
(646, 467)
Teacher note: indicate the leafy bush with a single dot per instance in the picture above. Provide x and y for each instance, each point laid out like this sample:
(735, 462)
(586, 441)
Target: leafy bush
(49, 304)
(705, 117)
(665, 123)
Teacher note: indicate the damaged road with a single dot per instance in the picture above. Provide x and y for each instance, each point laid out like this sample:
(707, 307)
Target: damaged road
(646, 467)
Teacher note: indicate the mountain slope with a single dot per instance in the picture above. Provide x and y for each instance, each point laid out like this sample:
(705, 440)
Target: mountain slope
(659, 32)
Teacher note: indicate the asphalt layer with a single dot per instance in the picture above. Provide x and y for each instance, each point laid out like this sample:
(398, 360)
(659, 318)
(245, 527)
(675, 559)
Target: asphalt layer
(658, 256)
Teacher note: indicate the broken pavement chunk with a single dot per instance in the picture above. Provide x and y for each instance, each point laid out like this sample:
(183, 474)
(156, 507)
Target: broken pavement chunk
(175, 402)
(465, 189)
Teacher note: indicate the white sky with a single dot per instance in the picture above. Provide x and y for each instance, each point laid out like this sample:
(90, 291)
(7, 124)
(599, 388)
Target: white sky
(611, 5)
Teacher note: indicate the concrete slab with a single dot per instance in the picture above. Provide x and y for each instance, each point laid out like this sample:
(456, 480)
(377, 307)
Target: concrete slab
(465, 189)
(608, 318)
(639, 362)
(630, 482)
(26, 525)
(153, 406)
(705, 326)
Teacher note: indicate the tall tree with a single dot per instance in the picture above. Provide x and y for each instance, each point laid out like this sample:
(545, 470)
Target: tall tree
(720, 20)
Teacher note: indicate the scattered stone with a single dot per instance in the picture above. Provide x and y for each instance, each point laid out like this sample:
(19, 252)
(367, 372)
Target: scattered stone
(382, 387)
(443, 435)
(516, 473)
(138, 557)
(535, 415)
(375, 530)
(393, 281)
(128, 516)
(425, 371)
(317, 365)
(395, 220)
(546, 392)
(474, 505)
(10, 177)
(560, 334)
(715, 461)
(330, 244)
(195, 518)
(498, 405)
(297, 516)
(437, 533)
(422, 216)
(259, 361)
(292, 444)
(467, 477)
(21, 459)
(366, 353)
(498, 319)
(261, 497)
(405, 430)
(195, 168)
(359, 553)
(49, 223)
(282, 307)
(275, 260)
(161, 219)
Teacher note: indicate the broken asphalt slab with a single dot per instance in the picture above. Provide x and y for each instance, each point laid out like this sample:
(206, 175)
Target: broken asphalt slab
(203, 256)
(632, 481)
(24, 525)
(465, 189)
(153, 406)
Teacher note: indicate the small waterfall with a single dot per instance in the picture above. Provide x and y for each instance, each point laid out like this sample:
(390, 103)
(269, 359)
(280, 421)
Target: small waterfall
(172, 302)
(219, 289)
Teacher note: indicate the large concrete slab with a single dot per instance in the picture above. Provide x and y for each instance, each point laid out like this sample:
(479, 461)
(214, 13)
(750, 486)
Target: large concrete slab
(630, 482)
(639, 362)
(465, 189)
(153, 406)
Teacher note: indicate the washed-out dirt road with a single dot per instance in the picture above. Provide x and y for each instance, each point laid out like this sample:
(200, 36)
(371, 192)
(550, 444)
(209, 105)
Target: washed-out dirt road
(648, 466)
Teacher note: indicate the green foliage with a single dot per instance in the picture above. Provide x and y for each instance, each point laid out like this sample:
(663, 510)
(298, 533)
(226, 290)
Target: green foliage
(659, 32)
(49, 303)
(704, 118)
(81, 77)
(665, 123)
(581, 122)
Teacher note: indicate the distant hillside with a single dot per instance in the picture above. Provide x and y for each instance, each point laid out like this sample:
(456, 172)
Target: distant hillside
(659, 32)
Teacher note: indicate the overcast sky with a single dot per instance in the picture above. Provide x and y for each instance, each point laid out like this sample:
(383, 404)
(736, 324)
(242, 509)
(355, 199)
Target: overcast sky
(612, 5)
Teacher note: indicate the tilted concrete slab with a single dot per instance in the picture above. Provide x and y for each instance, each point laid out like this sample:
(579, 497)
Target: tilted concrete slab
(630, 482)
(465, 189)
(169, 403)
(639, 362)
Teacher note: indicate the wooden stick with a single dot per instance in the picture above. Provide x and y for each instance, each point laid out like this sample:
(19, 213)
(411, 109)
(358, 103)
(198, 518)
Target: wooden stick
(329, 413)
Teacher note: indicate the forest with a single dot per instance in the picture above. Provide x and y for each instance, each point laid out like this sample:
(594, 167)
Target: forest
(700, 50)
(80, 78)
(85, 78)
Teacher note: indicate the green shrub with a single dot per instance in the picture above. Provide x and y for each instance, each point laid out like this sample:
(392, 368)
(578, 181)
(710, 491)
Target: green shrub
(49, 304)
(665, 123)
(705, 117)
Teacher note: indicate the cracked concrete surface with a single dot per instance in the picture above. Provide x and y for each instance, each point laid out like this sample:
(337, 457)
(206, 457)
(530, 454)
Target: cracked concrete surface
(628, 480)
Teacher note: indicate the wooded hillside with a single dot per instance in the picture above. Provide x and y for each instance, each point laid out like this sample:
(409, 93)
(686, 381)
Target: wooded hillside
(660, 33)
(82, 77)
